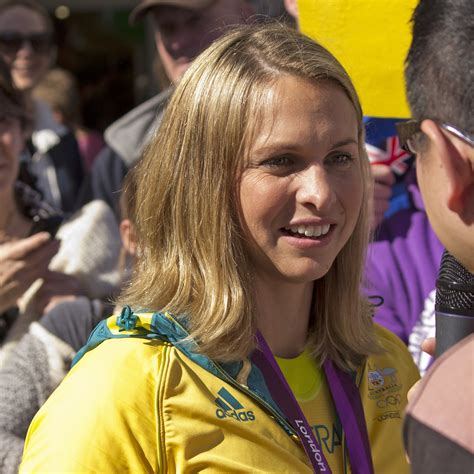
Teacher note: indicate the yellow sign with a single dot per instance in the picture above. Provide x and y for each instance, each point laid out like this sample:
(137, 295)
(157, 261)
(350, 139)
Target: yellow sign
(371, 39)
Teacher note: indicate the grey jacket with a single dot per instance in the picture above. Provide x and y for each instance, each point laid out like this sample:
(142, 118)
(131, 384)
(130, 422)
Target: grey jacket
(126, 138)
(36, 366)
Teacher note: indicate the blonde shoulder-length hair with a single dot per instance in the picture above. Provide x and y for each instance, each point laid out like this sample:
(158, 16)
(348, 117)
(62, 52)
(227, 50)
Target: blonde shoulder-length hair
(193, 257)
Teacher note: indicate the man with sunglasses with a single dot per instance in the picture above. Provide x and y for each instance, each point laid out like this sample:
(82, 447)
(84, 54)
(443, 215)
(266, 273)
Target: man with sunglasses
(440, 87)
(404, 261)
(52, 157)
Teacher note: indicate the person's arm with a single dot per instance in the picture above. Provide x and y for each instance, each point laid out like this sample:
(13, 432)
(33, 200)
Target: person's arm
(73, 321)
(383, 181)
(34, 368)
(380, 273)
(31, 371)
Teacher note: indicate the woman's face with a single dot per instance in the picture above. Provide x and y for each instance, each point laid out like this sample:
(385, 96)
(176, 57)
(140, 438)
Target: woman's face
(11, 144)
(302, 190)
(25, 45)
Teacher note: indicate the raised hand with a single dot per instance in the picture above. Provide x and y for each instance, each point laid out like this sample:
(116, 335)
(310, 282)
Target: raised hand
(21, 263)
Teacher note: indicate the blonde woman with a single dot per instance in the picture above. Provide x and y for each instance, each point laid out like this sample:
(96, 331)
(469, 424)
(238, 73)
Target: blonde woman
(249, 347)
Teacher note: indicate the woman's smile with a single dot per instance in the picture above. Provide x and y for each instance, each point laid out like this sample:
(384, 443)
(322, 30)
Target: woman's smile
(308, 236)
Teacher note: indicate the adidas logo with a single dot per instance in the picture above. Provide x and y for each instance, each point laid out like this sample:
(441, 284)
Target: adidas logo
(229, 406)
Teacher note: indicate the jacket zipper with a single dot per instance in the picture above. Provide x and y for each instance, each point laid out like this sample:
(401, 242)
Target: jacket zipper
(260, 400)
(163, 367)
(247, 391)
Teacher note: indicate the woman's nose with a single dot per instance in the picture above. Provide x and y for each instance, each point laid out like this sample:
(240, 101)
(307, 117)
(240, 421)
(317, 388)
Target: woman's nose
(315, 189)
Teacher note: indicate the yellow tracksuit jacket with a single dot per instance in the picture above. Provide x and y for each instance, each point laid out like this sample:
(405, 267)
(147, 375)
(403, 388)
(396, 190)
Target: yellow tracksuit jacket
(143, 401)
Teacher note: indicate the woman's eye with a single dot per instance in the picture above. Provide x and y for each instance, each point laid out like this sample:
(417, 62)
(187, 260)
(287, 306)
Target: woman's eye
(278, 162)
(341, 159)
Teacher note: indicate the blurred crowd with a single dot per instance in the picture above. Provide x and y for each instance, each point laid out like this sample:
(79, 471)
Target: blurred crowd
(67, 203)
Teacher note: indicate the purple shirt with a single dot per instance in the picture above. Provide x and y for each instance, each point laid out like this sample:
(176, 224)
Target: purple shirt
(402, 266)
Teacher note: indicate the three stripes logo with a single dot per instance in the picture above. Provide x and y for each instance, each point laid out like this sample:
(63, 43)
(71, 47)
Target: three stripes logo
(229, 406)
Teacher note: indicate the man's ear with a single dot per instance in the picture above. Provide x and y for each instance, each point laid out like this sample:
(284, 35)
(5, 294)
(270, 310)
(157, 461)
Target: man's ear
(454, 156)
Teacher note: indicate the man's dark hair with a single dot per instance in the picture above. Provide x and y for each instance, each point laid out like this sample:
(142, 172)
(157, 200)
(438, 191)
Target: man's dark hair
(439, 68)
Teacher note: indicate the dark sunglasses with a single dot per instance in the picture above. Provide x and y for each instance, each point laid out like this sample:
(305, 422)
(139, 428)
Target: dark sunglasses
(409, 130)
(11, 42)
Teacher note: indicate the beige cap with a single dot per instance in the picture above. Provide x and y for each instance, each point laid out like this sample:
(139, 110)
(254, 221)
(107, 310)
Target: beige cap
(144, 5)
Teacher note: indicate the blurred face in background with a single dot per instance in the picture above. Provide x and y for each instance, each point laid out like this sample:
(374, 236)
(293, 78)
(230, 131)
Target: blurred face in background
(26, 45)
(181, 34)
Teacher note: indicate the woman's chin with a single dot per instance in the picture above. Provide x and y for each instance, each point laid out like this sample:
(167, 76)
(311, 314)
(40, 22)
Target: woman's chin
(307, 274)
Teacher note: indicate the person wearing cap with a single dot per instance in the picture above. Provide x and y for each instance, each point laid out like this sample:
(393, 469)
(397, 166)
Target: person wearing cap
(182, 29)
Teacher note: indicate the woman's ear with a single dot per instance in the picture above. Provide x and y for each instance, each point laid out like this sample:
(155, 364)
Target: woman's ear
(454, 156)
(291, 7)
(127, 234)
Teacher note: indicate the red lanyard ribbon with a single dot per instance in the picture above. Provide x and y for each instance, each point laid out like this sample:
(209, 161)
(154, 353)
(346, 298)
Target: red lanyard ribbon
(346, 398)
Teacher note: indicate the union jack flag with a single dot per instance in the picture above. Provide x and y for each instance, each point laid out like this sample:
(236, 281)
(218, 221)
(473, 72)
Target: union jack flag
(399, 160)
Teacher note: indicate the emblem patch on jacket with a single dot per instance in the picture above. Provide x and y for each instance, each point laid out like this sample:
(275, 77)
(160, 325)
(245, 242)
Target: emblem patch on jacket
(383, 387)
(230, 407)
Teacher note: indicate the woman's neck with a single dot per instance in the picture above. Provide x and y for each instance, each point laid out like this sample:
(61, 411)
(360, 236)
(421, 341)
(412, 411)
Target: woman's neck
(283, 316)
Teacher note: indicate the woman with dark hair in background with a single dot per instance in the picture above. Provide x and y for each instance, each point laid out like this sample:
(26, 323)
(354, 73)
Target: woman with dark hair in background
(51, 155)
(25, 250)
